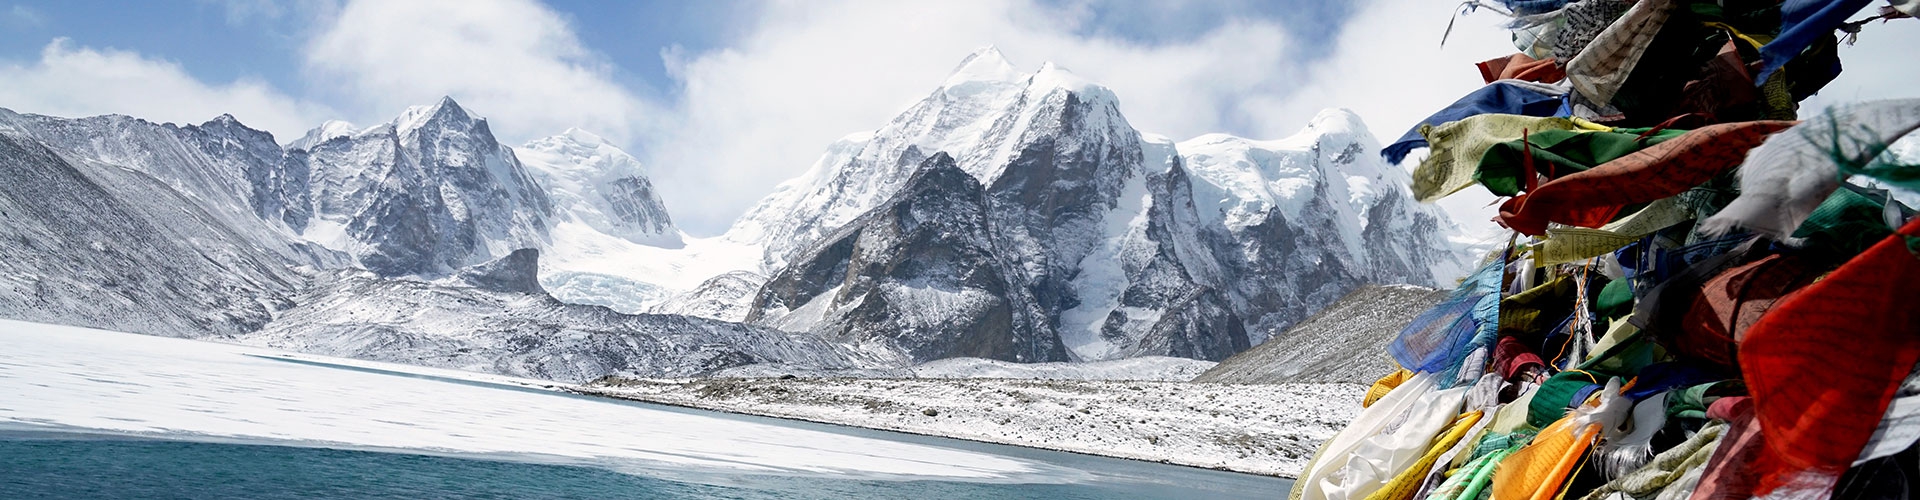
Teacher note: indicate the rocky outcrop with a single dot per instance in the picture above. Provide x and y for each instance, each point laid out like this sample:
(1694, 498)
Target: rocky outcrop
(518, 272)
(727, 297)
(921, 274)
(425, 194)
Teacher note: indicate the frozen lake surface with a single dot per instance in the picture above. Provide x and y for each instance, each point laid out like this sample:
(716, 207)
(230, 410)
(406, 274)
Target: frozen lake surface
(136, 416)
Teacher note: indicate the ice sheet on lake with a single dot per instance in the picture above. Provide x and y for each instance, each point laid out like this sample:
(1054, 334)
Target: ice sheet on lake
(67, 377)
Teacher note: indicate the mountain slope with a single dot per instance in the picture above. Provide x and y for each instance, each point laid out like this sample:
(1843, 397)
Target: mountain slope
(494, 318)
(1298, 222)
(1344, 343)
(427, 193)
(161, 241)
(1114, 244)
(206, 230)
(593, 182)
(918, 275)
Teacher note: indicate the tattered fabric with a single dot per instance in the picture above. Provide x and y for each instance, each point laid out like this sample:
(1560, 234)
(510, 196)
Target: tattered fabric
(1408, 481)
(1900, 428)
(1801, 22)
(1729, 474)
(1521, 67)
(1582, 22)
(1440, 338)
(1569, 244)
(1824, 363)
(1370, 463)
(1541, 469)
(1783, 180)
(1502, 97)
(1593, 197)
(1530, 7)
(1667, 467)
(1558, 153)
(1598, 71)
(1459, 146)
(1728, 305)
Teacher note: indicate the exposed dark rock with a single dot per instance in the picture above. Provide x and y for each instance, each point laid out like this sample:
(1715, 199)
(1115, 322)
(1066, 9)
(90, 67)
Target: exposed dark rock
(518, 272)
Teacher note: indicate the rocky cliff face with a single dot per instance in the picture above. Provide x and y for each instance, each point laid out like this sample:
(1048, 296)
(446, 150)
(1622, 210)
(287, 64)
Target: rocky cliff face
(1298, 222)
(425, 194)
(921, 274)
(1113, 244)
(114, 222)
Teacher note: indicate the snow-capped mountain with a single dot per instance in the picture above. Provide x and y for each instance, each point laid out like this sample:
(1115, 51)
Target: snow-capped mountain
(1007, 215)
(349, 241)
(427, 193)
(1110, 244)
(863, 169)
(612, 242)
(1298, 222)
(120, 223)
(922, 275)
(595, 183)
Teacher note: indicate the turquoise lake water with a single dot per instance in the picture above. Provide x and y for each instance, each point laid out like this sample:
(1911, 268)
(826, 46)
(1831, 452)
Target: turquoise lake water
(56, 465)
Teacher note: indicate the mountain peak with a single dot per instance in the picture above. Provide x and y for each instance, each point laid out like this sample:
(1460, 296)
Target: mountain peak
(985, 64)
(1052, 76)
(583, 137)
(327, 131)
(1337, 120)
(417, 116)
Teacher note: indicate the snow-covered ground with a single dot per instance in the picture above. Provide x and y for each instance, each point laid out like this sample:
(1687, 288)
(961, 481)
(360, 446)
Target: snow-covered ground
(1148, 368)
(1261, 429)
(586, 266)
(77, 379)
(1145, 368)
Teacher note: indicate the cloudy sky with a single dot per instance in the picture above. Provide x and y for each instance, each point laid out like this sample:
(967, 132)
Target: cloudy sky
(726, 99)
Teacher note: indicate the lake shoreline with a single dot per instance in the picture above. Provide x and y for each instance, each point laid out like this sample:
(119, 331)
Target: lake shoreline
(1263, 430)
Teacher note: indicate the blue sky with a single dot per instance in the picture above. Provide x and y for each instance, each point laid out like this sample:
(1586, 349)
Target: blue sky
(724, 99)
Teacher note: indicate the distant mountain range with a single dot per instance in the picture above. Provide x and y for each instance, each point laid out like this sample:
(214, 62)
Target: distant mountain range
(1008, 215)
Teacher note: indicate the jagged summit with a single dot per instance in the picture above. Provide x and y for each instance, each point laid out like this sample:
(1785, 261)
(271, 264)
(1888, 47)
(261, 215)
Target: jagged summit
(445, 111)
(327, 131)
(427, 193)
(1052, 76)
(986, 65)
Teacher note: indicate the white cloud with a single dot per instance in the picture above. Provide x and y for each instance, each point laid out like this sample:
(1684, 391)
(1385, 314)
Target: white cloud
(1389, 67)
(79, 81)
(516, 62)
(760, 111)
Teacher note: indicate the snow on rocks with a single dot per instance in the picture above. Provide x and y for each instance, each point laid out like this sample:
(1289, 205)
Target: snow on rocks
(1259, 429)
